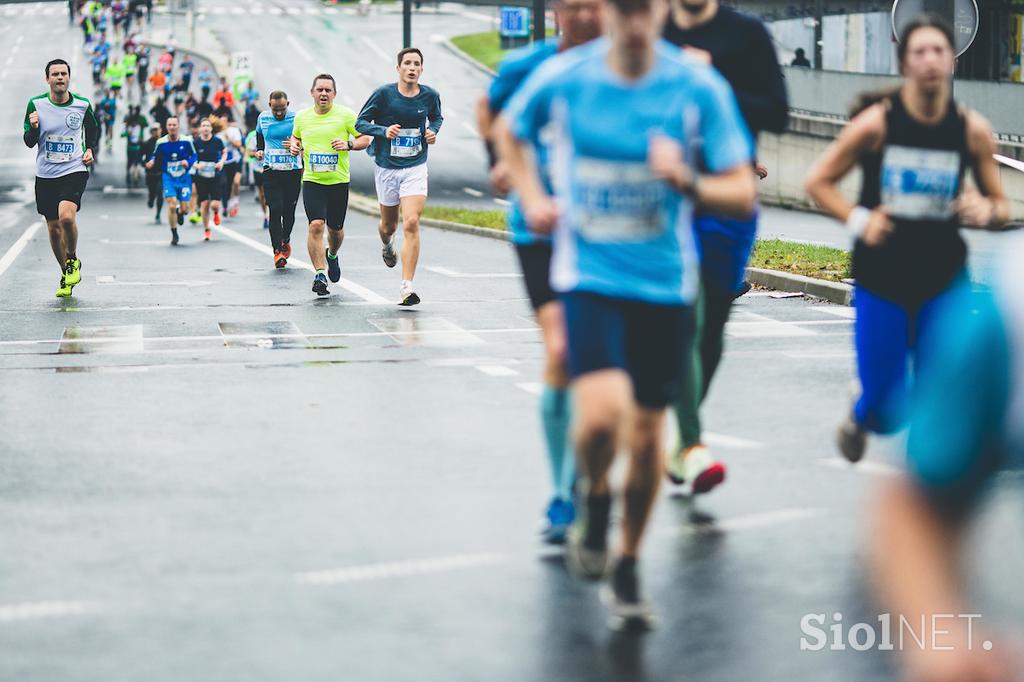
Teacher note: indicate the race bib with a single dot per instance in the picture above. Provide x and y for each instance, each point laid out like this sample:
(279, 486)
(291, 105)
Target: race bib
(60, 148)
(207, 169)
(919, 184)
(175, 169)
(322, 162)
(280, 160)
(407, 143)
(615, 201)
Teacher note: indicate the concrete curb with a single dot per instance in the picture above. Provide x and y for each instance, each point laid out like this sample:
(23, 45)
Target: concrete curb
(367, 206)
(451, 47)
(835, 292)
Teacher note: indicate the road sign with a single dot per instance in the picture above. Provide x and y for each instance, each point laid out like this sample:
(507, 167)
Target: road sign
(962, 15)
(515, 22)
(241, 72)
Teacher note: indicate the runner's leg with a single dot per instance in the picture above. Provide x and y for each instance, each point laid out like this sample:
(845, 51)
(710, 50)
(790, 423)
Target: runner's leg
(412, 209)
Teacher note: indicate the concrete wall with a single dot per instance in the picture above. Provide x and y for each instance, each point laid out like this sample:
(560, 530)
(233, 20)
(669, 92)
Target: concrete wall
(831, 92)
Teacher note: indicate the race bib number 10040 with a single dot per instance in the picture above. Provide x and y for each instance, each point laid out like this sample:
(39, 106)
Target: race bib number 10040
(320, 162)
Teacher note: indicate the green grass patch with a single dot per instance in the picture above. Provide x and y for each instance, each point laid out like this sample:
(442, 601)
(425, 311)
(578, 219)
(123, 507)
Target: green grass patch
(821, 262)
(494, 220)
(485, 47)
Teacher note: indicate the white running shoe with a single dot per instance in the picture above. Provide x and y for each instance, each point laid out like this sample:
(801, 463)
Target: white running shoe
(695, 469)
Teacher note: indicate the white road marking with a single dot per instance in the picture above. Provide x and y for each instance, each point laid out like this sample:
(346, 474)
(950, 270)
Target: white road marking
(502, 202)
(312, 10)
(408, 329)
(396, 569)
(448, 272)
(300, 49)
(471, 129)
(720, 440)
(490, 19)
(863, 467)
(376, 48)
(350, 286)
(219, 10)
(293, 10)
(256, 10)
(237, 10)
(752, 521)
(532, 387)
(19, 245)
(330, 10)
(110, 280)
(472, 192)
(497, 370)
(274, 10)
(837, 310)
(336, 335)
(45, 609)
(752, 325)
(115, 339)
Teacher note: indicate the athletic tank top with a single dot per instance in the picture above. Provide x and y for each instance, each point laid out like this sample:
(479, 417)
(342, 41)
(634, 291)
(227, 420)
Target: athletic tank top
(916, 174)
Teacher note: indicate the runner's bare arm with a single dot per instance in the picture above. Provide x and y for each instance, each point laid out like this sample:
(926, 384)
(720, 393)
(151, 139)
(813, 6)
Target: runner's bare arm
(989, 208)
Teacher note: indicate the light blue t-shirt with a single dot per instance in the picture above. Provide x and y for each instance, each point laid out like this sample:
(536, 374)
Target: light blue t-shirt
(276, 134)
(512, 73)
(621, 233)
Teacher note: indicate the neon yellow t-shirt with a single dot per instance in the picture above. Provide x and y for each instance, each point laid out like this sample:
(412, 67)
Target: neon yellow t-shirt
(321, 164)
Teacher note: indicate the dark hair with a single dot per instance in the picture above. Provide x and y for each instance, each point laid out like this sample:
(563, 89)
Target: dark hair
(280, 94)
(409, 50)
(324, 77)
(866, 100)
(923, 21)
(631, 6)
(55, 62)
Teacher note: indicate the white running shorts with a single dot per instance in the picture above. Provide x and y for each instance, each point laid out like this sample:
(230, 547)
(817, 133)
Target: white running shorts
(395, 183)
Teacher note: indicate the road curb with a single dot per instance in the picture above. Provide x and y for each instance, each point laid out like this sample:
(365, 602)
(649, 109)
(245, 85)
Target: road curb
(451, 47)
(367, 206)
(834, 292)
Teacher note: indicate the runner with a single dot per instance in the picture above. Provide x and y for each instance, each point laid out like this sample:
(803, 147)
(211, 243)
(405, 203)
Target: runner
(913, 145)
(231, 136)
(174, 155)
(625, 263)
(741, 49)
(256, 166)
(401, 117)
(959, 440)
(107, 116)
(142, 68)
(115, 76)
(210, 157)
(130, 62)
(62, 127)
(580, 22)
(323, 134)
(134, 130)
(282, 174)
(154, 175)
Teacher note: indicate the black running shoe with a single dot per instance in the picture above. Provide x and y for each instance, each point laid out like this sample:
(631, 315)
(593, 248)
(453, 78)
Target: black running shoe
(629, 611)
(333, 266)
(320, 285)
(181, 217)
(174, 237)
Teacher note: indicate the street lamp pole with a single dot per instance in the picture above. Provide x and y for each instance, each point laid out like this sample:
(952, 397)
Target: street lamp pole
(539, 29)
(406, 23)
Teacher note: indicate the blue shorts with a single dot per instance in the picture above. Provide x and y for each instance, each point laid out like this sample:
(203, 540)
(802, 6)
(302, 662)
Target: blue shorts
(725, 245)
(643, 339)
(178, 188)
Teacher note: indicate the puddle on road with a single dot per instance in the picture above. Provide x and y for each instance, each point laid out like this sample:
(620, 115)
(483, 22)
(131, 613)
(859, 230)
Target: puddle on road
(266, 335)
(414, 330)
(121, 339)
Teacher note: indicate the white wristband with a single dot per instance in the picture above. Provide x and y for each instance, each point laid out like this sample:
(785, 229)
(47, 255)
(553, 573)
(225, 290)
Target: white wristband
(858, 220)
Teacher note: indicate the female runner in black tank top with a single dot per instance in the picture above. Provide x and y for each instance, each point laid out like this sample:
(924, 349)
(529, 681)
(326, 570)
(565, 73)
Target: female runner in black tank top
(909, 260)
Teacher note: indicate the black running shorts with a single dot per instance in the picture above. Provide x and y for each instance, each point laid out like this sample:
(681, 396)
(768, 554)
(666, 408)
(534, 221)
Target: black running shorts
(326, 202)
(51, 191)
(535, 260)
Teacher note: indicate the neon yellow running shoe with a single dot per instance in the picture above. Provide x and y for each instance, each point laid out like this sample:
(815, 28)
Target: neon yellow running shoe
(64, 290)
(195, 218)
(72, 271)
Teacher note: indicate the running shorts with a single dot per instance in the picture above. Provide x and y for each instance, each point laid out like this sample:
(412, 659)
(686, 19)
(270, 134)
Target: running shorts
(395, 183)
(209, 189)
(51, 191)
(326, 202)
(257, 179)
(178, 188)
(231, 170)
(535, 260)
(643, 339)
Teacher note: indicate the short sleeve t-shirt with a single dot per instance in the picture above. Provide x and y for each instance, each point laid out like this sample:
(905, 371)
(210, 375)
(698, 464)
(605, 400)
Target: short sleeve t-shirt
(324, 165)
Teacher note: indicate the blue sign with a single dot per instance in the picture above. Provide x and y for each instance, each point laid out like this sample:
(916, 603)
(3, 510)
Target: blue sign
(515, 22)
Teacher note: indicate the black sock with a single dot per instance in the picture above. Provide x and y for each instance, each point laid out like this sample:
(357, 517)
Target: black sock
(598, 511)
(624, 580)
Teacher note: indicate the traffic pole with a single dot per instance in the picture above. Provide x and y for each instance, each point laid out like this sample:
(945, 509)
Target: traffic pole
(406, 23)
(539, 30)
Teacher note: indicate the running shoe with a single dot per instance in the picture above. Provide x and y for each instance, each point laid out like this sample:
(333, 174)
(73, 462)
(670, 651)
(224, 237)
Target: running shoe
(207, 233)
(156, 220)
(72, 271)
(320, 284)
(216, 217)
(333, 266)
(195, 218)
(286, 249)
(63, 289)
(695, 468)
(181, 217)
(150, 202)
(587, 545)
(557, 520)
(174, 237)
(233, 211)
(280, 260)
(622, 595)
(852, 439)
(408, 296)
(388, 253)
(266, 223)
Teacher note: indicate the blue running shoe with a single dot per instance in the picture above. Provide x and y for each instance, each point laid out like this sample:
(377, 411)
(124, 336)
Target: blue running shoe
(559, 517)
(333, 267)
(320, 284)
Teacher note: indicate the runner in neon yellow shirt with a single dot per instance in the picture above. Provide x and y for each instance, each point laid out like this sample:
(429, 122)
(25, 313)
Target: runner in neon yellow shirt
(324, 134)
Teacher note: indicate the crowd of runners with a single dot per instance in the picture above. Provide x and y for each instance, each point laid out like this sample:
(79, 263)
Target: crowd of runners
(633, 225)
